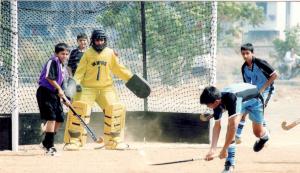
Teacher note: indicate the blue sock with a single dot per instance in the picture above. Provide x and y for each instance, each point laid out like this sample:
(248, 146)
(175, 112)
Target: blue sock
(231, 154)
(240, 128)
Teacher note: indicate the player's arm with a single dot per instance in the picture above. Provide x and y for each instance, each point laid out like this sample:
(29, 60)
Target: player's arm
(214, 142)
(138, 85)
(233, 105)
(216, 133)
(230, 134)
(269, 70)
(269, 82)
(57, 87)
(60, 92)
(81, 69)
(51, 77)
(119, 69)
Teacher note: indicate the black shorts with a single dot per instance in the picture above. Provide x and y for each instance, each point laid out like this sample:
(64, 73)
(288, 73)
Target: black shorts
(49, 105)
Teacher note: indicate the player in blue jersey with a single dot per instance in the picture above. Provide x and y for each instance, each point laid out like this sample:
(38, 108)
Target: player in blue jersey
(257, 72)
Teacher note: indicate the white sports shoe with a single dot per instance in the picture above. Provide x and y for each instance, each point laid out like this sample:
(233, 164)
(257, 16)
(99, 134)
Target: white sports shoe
(51, 152)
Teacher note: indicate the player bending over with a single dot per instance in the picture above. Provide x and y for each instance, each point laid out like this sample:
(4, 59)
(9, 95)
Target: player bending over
(237, 99)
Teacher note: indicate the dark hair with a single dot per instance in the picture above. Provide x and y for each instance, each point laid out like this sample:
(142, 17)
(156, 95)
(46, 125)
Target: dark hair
(209, 95)
(81, 35)
(61, 47)
(247, 46)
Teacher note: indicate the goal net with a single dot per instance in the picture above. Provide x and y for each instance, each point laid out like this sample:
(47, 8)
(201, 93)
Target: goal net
(172, 44)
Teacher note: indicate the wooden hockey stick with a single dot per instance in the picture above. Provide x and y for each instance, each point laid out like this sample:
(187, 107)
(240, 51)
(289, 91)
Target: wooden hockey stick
(292, 125)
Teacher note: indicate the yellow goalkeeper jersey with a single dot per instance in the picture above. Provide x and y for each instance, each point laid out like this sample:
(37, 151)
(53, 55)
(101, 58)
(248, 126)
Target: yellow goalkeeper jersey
(95, 69)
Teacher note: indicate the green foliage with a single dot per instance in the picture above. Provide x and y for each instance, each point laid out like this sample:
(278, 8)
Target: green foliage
(124, 17)
(292, 40)
(175, 30)
(5, 69)
(232, 16)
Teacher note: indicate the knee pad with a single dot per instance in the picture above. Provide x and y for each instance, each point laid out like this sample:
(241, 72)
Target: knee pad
(114, 123)
(74, 131)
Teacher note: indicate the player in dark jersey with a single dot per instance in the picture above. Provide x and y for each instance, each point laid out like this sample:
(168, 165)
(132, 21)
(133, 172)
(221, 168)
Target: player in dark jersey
(237, 99)
(49, 95)
(77, 53)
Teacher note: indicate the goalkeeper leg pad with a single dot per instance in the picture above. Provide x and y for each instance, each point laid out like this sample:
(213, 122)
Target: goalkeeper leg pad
(75, 134)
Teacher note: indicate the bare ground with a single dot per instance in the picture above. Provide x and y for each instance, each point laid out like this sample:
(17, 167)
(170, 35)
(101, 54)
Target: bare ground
(281, 155)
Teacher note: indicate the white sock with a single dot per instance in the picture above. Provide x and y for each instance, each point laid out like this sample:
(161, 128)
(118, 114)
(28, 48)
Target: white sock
(266, 134)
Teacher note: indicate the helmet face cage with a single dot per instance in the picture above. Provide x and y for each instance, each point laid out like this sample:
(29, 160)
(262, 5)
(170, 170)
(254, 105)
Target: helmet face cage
(99, 37)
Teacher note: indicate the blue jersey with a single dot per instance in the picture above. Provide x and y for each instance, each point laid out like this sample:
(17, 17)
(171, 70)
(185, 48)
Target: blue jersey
(258, 74)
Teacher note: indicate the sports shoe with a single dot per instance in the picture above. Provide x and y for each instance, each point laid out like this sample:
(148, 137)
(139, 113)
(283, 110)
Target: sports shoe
(51, 151)
(112, 145)
(259, 144)
(228, 167)
(122, 146)
(73, 145)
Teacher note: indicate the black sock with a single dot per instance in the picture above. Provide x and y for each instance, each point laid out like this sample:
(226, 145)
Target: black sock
(48, 141)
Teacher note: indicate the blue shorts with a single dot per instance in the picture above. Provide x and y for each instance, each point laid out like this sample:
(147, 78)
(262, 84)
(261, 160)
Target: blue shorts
(255, 109)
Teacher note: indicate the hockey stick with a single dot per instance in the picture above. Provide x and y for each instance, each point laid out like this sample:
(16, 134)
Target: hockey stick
(88, 129)
(288, 127)
(180, 161)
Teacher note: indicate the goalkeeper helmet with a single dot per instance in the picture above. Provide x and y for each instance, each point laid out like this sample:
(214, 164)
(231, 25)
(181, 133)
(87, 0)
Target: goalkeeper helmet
(98, 35)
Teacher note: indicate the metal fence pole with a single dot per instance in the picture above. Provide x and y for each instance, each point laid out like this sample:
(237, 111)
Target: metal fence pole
(14, 47)
(144, 48)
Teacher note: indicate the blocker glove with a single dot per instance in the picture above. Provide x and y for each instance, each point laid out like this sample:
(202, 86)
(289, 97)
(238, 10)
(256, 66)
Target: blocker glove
(139, 86)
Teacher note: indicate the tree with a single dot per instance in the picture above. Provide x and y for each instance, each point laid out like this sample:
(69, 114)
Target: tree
(292, 40)
(232, 16)
(177, 32)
